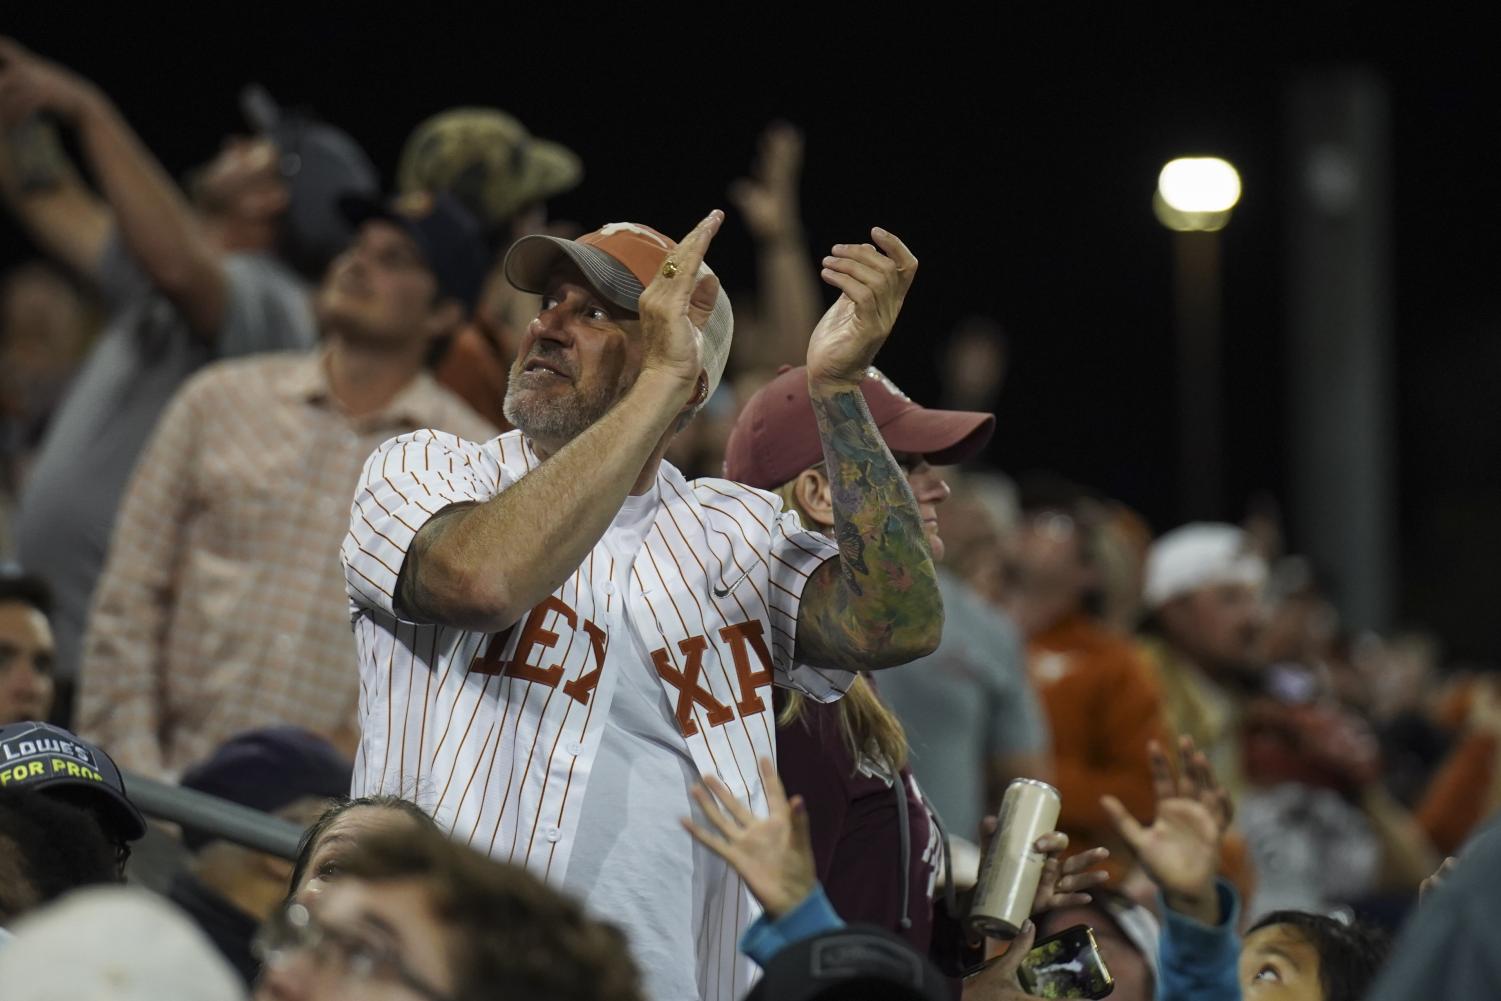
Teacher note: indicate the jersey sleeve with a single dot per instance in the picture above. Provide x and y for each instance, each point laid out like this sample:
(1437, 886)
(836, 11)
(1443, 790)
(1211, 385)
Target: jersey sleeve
(405, 482)
(795, 554)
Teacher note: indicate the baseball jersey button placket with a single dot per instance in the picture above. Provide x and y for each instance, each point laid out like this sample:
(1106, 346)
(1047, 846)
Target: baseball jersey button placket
(553, 834)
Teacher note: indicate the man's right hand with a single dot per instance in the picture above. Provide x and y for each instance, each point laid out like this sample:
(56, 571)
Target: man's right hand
(1180, 851)
(31, 85)
(675, 308)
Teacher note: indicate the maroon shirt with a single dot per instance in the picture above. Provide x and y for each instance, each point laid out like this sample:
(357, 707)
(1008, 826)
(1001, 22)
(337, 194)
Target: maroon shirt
(852, 815)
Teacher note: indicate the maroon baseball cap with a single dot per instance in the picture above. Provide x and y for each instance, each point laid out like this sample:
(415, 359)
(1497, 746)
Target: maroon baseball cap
(776, 436)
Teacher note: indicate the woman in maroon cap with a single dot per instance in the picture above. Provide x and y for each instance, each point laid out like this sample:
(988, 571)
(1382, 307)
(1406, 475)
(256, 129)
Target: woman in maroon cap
(847, 760)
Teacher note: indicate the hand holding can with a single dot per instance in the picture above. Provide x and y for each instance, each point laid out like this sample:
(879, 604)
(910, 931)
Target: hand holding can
(1013, 867)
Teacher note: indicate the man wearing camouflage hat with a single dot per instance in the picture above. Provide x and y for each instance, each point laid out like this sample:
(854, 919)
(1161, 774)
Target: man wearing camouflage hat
(219, 608)
(488, 160)
(559, 634)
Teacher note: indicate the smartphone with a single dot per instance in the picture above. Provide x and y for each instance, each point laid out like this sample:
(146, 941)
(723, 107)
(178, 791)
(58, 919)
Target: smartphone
(1066, 965)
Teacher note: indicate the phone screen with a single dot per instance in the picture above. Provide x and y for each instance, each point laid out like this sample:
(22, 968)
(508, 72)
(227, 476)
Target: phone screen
(1066, 965)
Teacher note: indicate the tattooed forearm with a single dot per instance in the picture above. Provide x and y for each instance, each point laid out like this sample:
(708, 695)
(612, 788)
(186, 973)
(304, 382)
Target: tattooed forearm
(878, 604)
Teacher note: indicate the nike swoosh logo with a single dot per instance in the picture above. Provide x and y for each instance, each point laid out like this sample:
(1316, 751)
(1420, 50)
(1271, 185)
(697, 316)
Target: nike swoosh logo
(724, 592)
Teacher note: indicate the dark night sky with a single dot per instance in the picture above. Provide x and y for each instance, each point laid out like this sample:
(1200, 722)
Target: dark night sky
(1017, 159)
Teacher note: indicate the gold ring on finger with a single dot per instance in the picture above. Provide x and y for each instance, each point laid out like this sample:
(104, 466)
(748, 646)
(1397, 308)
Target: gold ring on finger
(670, 268)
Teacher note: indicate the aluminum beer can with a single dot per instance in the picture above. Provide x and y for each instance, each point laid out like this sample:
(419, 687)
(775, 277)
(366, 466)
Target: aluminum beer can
(1013, 867)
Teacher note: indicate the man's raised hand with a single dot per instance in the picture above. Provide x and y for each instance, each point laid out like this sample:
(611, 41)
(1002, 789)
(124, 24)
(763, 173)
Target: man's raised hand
(675, 307)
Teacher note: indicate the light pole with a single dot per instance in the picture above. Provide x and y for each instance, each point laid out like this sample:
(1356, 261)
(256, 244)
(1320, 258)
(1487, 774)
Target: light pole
(1193, 199)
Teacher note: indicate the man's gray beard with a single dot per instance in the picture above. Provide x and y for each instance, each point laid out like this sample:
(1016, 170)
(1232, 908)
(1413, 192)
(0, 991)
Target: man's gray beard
(557, 421)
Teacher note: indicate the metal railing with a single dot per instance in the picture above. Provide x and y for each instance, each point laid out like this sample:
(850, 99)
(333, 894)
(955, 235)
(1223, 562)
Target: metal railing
(218, 817)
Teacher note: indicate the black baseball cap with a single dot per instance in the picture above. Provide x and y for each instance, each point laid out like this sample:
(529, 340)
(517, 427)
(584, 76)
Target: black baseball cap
(268, 769)
(447, 235)
(320, 163)
(43, 757)
(858, 962)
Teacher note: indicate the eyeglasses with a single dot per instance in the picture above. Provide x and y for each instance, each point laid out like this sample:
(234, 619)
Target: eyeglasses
(346, 955)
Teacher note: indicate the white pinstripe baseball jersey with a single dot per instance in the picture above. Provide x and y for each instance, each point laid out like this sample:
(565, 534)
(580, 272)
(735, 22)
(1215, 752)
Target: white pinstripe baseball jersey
(495, 734)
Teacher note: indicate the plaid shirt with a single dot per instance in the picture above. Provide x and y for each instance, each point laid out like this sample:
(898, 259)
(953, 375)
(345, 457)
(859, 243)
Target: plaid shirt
(221, 608)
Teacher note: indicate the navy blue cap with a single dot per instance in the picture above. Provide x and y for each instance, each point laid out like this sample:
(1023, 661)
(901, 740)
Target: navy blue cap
(269, 769)
(447, 235)
(47, 758)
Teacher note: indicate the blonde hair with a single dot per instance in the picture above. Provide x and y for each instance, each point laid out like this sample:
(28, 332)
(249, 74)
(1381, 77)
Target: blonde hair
(867, 727)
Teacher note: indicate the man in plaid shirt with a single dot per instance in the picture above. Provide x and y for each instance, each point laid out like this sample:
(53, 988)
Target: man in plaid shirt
(221, 608)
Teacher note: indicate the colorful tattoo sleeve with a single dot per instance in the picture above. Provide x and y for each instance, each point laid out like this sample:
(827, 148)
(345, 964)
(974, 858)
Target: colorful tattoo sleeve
(878, 604)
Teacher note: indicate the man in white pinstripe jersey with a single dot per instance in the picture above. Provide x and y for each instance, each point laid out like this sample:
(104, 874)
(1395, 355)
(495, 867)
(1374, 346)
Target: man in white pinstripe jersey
(559, 635)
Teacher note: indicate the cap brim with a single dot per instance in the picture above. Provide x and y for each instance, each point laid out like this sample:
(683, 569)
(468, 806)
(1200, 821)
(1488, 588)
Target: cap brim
(557, 169)
(943, 437)
(360, 209)
(124, 817)
(533, 259)
(128, 816)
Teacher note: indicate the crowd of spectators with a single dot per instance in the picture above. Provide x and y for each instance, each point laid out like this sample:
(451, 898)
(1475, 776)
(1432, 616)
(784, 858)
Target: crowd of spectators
(193, 378)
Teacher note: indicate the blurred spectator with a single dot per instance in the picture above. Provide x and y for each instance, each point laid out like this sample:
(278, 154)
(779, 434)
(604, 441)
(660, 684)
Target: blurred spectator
(1103, 705)
(230, 890)
(504, 176)
(1294, 954)
(1121, 545)
(182, 284)
(847, 759)
(117, 943)
(242, 497)
(774, 325)
(974, 365)
(1466, 788)
(45, 327)
(1287, 735)
(47, 848)
(1204, 624)
(327, 844)
(419, 915)
(1305, 770)
(55, 763)
(972, 718)
(980, 525)
(27, 650)
(1449, 949)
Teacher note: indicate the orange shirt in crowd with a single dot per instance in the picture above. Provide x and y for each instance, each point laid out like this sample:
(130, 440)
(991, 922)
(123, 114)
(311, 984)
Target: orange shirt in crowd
(1103, 705)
